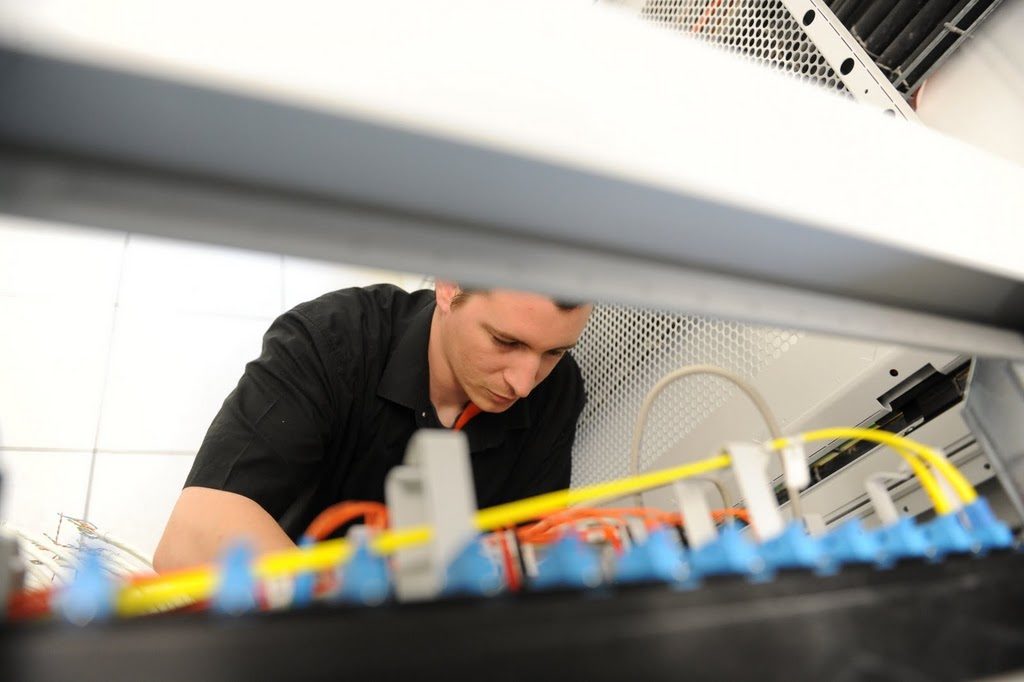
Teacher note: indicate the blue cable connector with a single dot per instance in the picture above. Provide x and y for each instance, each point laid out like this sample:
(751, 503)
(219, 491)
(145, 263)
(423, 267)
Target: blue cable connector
(304, 583)
(794, 548)
(947, 535)
(236, 591)
(987, 530)
(365, 578)
(90, 596)
(731, 553)
(902, 540)
(473, 573)
(568, 563)
(851, 543)
(658, 559)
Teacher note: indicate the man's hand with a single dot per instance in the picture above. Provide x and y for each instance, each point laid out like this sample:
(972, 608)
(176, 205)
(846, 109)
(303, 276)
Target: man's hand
(205, 521)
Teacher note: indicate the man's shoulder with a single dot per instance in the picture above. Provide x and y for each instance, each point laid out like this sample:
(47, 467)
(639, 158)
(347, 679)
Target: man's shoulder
(363, 311)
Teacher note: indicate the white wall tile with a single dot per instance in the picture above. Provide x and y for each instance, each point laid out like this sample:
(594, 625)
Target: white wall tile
(133, 495)
(415, 282)
(306, 279)
(52, 360)
(164, 274)
(37, 486)
(169, 374)
(49, 259)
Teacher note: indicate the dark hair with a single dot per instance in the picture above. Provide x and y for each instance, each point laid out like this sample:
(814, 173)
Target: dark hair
(463, 294)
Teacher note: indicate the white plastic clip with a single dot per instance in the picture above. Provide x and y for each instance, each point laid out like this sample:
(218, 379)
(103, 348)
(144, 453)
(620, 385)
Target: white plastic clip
(750, 467)
(433, 487)
(697, 518)
(637, 530)
(794, 466)
(815, 524)
(529, 555)
(881, 500)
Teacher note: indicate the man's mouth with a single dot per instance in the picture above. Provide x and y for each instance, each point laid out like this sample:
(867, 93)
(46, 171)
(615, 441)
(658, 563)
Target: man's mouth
(500, 398)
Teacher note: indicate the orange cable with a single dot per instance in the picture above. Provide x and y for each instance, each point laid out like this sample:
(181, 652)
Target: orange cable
(511, 574)
(337, 515)
(470, 411)
(546, 530)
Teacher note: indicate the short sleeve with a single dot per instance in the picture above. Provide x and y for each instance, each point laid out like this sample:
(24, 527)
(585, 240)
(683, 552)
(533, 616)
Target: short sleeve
(270, 438)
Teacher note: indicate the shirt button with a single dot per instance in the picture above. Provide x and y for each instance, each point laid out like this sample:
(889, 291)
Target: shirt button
(423, 414)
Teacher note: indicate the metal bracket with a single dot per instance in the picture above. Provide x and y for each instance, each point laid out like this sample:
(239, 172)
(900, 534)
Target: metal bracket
(433, 487)
(851, 63)
(994, 411)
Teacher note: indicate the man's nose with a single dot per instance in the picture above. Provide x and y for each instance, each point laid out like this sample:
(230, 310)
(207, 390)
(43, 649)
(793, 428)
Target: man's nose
(522, 374)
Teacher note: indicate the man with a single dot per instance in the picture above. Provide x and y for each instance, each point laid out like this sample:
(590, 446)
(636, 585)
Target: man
(343, 382)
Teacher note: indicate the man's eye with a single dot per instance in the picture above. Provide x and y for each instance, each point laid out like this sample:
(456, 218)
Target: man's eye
(505, 342)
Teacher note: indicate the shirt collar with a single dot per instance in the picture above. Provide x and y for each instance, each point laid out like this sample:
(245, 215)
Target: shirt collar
(406, 376)
(406, 382)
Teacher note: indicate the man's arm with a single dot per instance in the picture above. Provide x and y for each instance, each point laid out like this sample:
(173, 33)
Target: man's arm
(264, 448)
(205, 520)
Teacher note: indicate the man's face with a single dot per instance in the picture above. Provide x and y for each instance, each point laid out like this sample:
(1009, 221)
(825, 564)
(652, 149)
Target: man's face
(500, 344)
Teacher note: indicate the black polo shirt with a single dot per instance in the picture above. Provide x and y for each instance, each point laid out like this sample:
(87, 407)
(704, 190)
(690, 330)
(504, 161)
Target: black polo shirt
(339, 388)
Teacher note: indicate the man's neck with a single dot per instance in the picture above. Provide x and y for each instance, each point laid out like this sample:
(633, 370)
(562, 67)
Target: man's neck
(446, 395)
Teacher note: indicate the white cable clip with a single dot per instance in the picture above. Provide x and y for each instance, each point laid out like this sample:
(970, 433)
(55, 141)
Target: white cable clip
(815, 524)
(881, 500)
(750, 467)
(698, 521)
(637, 530)
(434, 486)
(794, 466)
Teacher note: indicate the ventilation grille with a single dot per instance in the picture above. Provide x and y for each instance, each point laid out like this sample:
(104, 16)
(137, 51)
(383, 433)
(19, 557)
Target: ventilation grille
(623, 353)
(762, 31)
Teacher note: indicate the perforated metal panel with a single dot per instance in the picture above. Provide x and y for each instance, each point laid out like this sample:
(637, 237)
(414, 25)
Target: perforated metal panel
(762, 30)
(626, 350)
(623, 353)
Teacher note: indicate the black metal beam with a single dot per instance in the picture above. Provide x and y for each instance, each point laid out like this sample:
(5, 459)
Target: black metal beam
(959, 619)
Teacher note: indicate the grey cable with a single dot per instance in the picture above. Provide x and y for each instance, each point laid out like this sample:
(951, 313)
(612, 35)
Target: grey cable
(718, 486)
(691, 370)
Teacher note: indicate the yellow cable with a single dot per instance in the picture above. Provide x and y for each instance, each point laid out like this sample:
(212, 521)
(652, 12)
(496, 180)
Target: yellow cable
(135, 600)
(957, 480)
(927, 478)
(391, 541)
(200, 583)
(524, 510)
(963, 488)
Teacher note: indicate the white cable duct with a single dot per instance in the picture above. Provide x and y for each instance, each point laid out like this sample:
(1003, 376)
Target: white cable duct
(89, 530)
(33, 553)
(55, 557)
(36, 577)
(55, 562)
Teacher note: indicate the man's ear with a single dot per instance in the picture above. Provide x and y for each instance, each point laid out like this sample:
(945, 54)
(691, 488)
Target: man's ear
(444, 291)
